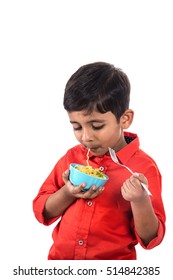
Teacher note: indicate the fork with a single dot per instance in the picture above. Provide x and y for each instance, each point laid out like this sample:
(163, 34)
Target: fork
(115, 159)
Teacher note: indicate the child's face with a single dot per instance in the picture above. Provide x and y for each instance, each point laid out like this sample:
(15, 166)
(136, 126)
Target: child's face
(97, 131)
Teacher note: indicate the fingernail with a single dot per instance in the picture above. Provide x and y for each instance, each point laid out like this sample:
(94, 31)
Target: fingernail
(136, 174)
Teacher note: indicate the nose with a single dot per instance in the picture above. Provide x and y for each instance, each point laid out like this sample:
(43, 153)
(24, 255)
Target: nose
(87, 135)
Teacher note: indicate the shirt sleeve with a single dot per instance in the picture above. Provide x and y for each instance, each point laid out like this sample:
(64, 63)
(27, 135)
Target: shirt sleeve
(52, 184)
(155, 186)
(154, 242)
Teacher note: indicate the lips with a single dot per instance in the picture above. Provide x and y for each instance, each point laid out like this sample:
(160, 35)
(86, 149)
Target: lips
(91, 147)
(94, 148)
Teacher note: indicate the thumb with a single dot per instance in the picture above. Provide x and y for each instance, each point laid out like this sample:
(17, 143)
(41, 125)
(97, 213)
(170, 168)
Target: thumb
(65, 175)
(141, 177)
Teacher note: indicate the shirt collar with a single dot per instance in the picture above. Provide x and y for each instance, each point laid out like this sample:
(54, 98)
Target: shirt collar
(130, 149)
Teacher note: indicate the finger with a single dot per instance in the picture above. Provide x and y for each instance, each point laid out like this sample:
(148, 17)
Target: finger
(127, 184)
(134, 182)
(141, 177)
(93, 192)
(80, 188)
(65, 175)
(139, 186)
(77, 191)
(88, 193)
(124, 192)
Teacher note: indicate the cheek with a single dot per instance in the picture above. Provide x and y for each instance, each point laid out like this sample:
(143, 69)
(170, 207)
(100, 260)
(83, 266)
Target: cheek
(77, 134)
(111, 136)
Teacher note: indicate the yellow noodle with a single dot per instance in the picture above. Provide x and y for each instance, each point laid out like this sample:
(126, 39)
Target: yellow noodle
(90, 171)
(88, 157)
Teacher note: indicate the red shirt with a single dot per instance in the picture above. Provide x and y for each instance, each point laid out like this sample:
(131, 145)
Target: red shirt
(101, 228)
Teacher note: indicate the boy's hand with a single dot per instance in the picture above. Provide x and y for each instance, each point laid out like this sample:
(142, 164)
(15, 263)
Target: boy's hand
(78, 191)
(132, 189)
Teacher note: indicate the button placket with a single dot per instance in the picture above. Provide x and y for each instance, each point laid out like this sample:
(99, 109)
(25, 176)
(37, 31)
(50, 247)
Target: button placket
(83, 229)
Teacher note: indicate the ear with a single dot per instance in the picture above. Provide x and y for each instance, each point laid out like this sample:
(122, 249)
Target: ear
(127, 118)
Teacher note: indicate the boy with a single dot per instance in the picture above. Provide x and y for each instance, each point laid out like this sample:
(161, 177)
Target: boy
(104, 223)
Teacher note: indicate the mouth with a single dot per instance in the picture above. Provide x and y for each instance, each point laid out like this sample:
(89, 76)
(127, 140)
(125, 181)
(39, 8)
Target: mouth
(92, 148)
(95, 150)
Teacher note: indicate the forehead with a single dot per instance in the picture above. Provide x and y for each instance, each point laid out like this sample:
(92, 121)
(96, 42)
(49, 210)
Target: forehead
(82, 116)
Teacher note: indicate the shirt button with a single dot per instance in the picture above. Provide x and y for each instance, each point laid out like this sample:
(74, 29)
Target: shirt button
(90, 203)
(101, 168)
(80, 242)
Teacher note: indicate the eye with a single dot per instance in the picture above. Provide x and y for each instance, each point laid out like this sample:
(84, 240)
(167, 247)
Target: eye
(98, 127)
(77, 128)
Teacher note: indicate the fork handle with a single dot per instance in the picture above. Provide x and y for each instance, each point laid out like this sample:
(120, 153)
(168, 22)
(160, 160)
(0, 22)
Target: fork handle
(145, 188)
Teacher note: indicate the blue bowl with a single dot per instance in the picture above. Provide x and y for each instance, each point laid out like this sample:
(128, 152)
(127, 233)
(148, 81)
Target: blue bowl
(77, 177)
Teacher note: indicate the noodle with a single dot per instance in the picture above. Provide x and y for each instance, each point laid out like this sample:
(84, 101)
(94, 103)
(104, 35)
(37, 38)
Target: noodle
(88, 157)
(89, 170)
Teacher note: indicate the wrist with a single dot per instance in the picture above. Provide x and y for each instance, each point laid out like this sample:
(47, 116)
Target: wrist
(140, 201)
(68, 194)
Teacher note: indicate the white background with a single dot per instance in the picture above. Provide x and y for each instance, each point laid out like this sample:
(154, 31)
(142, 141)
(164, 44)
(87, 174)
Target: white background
(41, 44)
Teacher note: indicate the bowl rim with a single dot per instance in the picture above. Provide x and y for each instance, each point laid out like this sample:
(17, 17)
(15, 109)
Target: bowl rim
(102, 179)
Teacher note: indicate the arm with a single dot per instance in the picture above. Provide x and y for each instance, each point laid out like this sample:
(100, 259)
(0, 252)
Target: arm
(145, 219)
(59, 201)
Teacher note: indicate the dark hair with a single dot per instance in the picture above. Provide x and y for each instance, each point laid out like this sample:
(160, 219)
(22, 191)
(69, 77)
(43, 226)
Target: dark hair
(98, 86)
